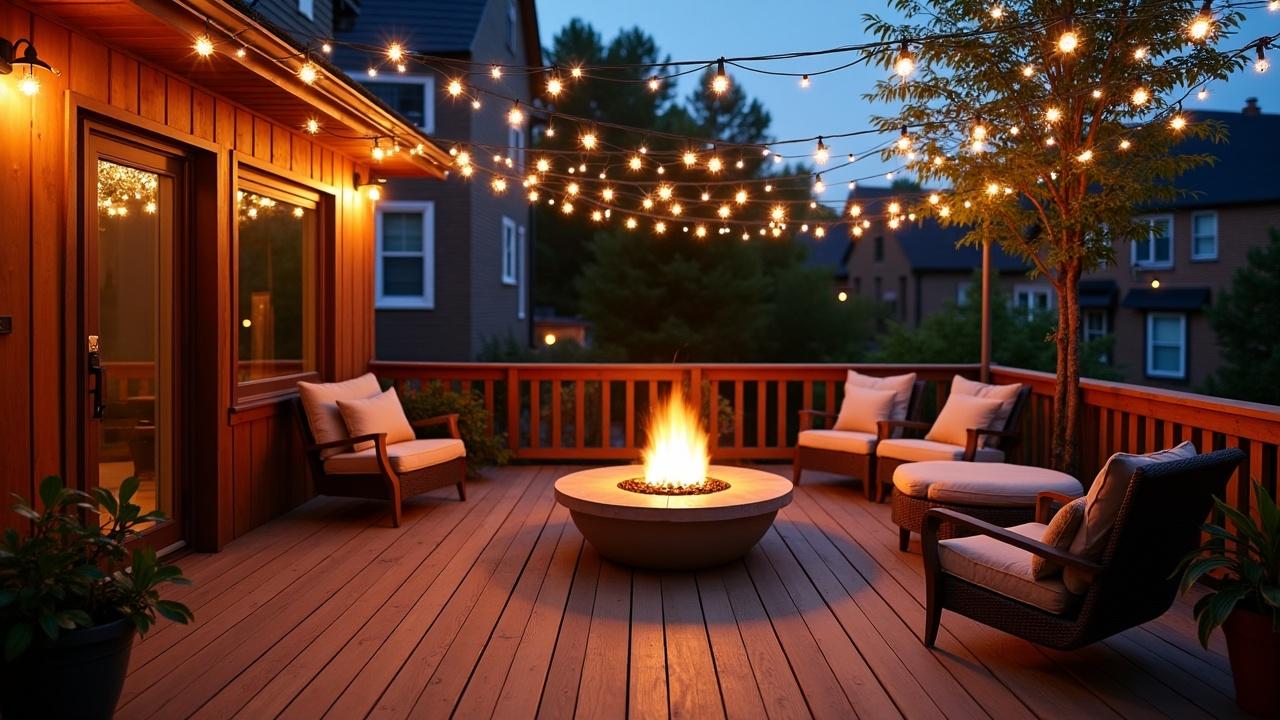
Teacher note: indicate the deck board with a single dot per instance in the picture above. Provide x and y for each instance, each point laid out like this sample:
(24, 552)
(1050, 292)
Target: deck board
(496, 607)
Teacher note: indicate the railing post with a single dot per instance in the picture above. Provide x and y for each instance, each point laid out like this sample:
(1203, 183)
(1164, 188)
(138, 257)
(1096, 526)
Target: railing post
(513, 409)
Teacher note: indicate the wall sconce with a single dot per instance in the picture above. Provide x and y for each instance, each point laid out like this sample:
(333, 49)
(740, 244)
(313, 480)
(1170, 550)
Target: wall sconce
(9, 57)
(371, 188)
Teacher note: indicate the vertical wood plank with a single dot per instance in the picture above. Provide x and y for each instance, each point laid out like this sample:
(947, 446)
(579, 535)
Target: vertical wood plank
(557, 429)
(629, 414)
(152, 94)
(782, 440)
(762, 412)
(737, 414)
(203, 115)
(90, 68)
(513, 409)
(178, 109)
(282, 149)
(123, 88)
(579, 413)
(606, 413)
(535, 413)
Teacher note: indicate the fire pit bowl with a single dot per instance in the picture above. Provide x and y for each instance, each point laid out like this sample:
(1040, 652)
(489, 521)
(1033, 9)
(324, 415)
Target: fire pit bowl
(673, 532)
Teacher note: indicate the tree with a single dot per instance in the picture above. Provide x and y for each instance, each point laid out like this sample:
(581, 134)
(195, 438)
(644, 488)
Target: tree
(1251, 359)
(1050, 123)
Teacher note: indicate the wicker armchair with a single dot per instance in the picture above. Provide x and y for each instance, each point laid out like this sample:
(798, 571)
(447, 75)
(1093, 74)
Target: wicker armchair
(845, 456)
(1131, 583)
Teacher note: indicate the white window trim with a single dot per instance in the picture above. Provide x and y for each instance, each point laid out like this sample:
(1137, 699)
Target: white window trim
(1181, 374)
(1033, 290)
(427, 82)
(512, 278)
(427, 301)
(513, 22)
(307, 8)
(1216, 234)
(1133, 246)
(515, 151)
(522, 255)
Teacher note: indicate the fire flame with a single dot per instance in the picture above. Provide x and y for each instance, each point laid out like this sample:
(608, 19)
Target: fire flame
(677, 454)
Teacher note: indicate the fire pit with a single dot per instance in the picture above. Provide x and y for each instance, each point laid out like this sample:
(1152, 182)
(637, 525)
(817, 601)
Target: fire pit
(677, 512)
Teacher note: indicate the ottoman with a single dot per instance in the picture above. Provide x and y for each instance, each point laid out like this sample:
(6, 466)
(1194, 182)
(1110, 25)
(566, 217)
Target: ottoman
(998, 493)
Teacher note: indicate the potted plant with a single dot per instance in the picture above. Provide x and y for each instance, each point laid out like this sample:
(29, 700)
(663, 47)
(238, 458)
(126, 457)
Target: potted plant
(1244, 599)
(72, 595)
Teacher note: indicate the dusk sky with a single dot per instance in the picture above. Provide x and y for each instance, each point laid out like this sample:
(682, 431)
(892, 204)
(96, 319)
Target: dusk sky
(693, 29)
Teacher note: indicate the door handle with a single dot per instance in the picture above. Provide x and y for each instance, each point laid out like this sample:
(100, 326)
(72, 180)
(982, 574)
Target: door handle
(98, 375)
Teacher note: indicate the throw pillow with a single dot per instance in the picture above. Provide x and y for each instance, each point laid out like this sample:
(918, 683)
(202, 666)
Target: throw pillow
(381, 413)
(320, 404)
(959, 414)
(862, 408)
(1006, 394)
(901, 385)
(1059, 533)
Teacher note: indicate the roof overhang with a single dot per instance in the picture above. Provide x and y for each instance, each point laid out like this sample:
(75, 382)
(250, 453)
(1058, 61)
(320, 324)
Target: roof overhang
(1172, 299)
(265, 80)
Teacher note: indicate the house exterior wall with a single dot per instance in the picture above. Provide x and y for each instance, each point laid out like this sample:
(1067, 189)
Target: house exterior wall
(287, 15)
(883, 279)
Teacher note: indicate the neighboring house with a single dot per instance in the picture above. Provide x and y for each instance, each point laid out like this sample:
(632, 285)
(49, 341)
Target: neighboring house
(452, 258)
(917, 268)
(1162, 335)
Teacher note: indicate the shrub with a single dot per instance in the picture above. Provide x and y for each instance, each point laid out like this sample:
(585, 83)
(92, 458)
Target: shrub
(483, 448)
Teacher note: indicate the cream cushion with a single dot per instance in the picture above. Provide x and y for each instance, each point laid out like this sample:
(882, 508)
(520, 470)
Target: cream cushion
(405, 457)
(1103, 502)
(1004, 569)
(381, 413)
(320, 403)
(901, 385)
(839, 440)
(863, 407)
(987, 484)
(913, 450)
(959, 414)
(1006, 394)
(1058, 533)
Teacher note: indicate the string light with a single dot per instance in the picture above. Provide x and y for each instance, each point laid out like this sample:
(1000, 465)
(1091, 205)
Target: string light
(1178, 122)
(554, 87)
(326, 48)
(635, 163)
(904, 141)
(660, 227)
(740, 197)
(1203, 94)
(1140, 96)
(1261, 64)
(373, 72)
(607, 194)
(495, 72)
(1028, 70)
(820, 154)
(1202, 24)
(499, 185)
(689, 159)
(395, 52)
(700, 231)
(1140, 54)
(804, 82)
(589, 141)
(576, 72)
(572, 189)
(664, 192)
(515, 116)
(475, 105)
(676, 209)
(597, 216)
(1085, 156)
(714, 165)
(203, 46)
(905, 64)
(312, 126)
(631, 223)
(1052, 115)
(778, 213)
(818, 186)
(654, 84)
(566, 207)
(454, 88)
(240, 53)
(1068, 42)
(996, 12)
(724, 211)
(1125, 144)
(720, 83)
(308, 73)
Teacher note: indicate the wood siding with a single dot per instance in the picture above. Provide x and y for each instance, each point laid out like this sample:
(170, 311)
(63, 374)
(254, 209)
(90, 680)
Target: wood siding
(249, 478)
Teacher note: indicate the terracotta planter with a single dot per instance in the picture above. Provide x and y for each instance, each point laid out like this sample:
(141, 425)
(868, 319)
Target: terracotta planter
(79, 676)
(1254, 648)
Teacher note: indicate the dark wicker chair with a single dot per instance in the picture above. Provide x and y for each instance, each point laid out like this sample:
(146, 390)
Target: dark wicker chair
(856, 465)
(1133, 582)
(1005, 439)
(386, 484)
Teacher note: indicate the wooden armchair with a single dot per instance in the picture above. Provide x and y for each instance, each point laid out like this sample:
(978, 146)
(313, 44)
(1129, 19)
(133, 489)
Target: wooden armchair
(1132, 582)
(388, 472)
(845, 452)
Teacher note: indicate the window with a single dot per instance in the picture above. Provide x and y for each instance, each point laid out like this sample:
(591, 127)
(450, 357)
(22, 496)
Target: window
(276, 255)
(515, 147)
(513, 24)
(878, 249)
(521, 299)
(1097, 325)
(409, 95)
(962, 292)
(1032, 299)
(1204, 236)
(1167, 345)
(510, 252)
(308, 8)
(405, 273)
(1157, 249)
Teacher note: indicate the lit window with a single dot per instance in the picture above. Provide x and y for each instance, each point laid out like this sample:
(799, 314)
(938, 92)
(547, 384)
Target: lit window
(1032, 299)
(277, 239)
(1167, 345)
(1157, 249)
(409, 95)
(510, 252)
(1204, 236)
(405, 273)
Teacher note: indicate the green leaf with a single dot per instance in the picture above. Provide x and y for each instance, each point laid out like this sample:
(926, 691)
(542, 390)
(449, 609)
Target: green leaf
(175, 611)
(50, 492)
(1270, 595)
(17, 640)
(49, 624)
(1198, 568)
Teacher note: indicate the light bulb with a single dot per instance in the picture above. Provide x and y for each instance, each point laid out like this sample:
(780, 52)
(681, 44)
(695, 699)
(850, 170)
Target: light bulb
(1028, 70)
(572, 189)
(499, 185)
(659, 227)
(326, 48)
(495, 72)
(395, 52)
(1202, 24)
(308, 72)
(542, 165)
(689, 159)
(635, 163)
(1140, 53)
(820, 154)
(1068, 42)
(379, 153)
(576, 72)
(241, 52)
(676, 209)
(203, 46)
(312, 126)
(29, 85)
(724, 211)
(714, 165)
(1203, 94)
(1125, 144)
(664, 192)
(533, 196)
(475, 105)
(1178, 122)
(554, 87)
(631, 223)
(819, 186)
(804, 81)
(589, 141)
(1085, 156)
(905, 64)
(1261, 64)
(566, 207)
(855, 211)
(607, 194)
(374, 193)
(1052, 115)
(515, 116)
(373, 72)
(904, 141)
(720, 83)
(455, 88)
(740, 197)
(654, 84)
(1141, 96)
(996, 12)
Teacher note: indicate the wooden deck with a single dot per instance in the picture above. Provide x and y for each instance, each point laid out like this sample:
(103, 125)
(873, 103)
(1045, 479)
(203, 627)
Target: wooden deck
(496, 608)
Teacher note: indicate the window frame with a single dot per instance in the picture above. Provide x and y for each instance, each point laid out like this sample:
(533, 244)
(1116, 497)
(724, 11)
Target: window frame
(516, 144)
(1087, 335)
(427, 82)
(1198, 257)
(509, 279)
(1148, 345)
(1033, 290)
(427, 300)
(513, 23)
(522, 271)
(251, 178)
(1150, 263)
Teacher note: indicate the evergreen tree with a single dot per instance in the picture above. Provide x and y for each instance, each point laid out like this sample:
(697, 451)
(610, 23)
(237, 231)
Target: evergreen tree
(1251, 359)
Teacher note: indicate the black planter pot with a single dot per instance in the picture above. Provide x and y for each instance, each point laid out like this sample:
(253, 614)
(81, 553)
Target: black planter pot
(80, 676)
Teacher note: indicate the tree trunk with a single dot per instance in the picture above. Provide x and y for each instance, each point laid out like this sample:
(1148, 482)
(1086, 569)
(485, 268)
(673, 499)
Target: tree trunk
(1058, 444)
(1071, 417)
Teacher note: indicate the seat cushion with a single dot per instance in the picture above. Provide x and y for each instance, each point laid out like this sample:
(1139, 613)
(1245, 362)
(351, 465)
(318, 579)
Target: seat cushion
(381, 413)
(913, 450)
(1059, 533)
(901, 385)
(1006, 394)
(320, 404)
(839, 440)
(1004, 569)
(862, 408)
(405, 457)
(959, 414)
(989, 484)
(1103, 502)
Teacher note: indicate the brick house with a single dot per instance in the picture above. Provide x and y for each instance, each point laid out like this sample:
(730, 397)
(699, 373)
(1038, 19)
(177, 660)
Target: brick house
(452, 258)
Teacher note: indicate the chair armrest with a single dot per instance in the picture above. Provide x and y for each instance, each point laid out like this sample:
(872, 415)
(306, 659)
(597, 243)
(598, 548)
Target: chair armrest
(450, 421)
(351, 442)
(971, 440)
(885, 427)
(936, 516)
(807, 415)
(1045, 500)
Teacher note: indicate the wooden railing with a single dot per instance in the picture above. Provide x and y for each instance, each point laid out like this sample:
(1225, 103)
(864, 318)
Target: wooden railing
(598, 411)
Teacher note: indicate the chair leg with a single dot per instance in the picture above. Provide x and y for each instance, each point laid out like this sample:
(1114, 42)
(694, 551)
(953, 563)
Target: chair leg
(904, 539)
(462, 492)
(395, 513)
(796, 470)
(932, 620)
